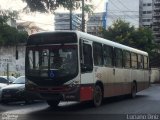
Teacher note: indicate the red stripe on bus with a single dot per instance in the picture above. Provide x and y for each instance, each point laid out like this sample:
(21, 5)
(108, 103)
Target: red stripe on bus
(86, 93)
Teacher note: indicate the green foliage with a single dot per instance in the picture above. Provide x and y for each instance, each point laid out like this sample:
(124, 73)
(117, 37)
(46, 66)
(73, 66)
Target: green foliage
(122, 32)
(10, 35)
(45, 6)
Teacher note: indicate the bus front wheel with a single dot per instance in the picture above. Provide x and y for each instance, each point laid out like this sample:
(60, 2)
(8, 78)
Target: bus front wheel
(98, 96)
(53, 103)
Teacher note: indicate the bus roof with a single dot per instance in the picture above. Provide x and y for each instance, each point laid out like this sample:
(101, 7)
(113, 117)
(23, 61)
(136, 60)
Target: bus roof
(98, 39)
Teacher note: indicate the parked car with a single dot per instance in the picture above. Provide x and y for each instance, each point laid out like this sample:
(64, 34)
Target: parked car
(4, 81)
(15, 91)
(10, 79)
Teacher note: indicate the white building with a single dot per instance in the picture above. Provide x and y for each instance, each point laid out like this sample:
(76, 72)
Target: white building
(156, 19)
(146, 13)
(150, 16)
(94, 22)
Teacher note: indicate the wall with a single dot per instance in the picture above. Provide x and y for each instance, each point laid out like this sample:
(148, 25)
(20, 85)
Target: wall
(7, 56)
(155, 75)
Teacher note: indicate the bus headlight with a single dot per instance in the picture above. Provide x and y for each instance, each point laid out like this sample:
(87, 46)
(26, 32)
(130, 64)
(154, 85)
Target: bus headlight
(74, 84)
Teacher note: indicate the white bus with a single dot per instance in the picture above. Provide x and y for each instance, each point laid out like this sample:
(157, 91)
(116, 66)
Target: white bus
(76, 66)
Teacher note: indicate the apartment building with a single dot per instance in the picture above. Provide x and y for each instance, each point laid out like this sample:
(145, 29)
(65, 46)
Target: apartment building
(156, 20)
(150, 16)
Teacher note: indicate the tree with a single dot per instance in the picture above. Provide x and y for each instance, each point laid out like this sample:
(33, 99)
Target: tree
(122, 32)
(46, 6)
(10, 35)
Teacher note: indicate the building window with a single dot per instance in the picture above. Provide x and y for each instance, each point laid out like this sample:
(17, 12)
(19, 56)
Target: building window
(144, 12)
(149, 12)
(144, 4)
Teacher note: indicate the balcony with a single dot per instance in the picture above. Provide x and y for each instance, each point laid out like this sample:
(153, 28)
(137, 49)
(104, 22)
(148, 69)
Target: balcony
(156, 1)
(157, 9)
(156, 28)
(156, 15)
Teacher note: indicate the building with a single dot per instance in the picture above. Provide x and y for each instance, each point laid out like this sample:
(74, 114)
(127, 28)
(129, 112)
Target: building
(30, 27)
(93, 23)
(62, 21)
(150, 16)
(146, 13)
(156, 20)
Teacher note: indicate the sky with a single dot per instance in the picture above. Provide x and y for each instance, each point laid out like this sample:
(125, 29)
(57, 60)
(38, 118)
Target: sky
(45, 21)
(127, 10)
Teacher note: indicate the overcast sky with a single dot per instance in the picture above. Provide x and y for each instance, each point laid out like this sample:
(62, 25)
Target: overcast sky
(127, 10)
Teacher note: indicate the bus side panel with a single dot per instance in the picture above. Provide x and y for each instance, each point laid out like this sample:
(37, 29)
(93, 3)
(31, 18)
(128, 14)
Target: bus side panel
(146, 78)
(116, 81)
(122, 81)
(140, 77)
(106, 76)
(86, 87)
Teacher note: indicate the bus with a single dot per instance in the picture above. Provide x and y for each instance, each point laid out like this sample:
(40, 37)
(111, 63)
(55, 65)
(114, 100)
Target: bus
(76, 66)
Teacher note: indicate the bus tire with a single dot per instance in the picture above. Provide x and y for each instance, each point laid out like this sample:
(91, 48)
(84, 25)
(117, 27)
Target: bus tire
(133, 90)
(53, 103)
(97, 96)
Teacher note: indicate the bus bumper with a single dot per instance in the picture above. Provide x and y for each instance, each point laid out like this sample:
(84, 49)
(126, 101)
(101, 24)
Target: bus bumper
(76, 93)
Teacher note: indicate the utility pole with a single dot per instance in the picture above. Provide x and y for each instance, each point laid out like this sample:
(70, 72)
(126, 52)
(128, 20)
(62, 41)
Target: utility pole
(71, 6)
(83, 19)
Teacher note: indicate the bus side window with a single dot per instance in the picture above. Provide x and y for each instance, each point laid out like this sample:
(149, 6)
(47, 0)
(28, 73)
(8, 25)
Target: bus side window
(134, 60)
(140, 62)
(108, 55)
(97, 54)
(87, 64)
(118, 57)
(145, 62)
(126, 59)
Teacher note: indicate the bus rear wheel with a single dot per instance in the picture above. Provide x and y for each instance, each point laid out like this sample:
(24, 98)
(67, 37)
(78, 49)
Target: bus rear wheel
(53, 103)
(98, 96)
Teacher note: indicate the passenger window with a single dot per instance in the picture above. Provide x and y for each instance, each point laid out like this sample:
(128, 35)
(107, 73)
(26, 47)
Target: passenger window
(126, 59)
(134, 60)
(87, 58)
(140, 61)
(108, 55)
(97, 54)
(145, 62)
(118, 57)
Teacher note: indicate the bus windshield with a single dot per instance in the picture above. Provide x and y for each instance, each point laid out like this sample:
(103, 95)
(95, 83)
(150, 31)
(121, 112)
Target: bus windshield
(54, 61)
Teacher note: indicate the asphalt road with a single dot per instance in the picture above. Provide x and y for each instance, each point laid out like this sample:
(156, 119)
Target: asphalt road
(146, 105)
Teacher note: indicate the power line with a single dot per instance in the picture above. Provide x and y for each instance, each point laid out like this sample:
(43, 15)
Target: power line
(123, 13)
